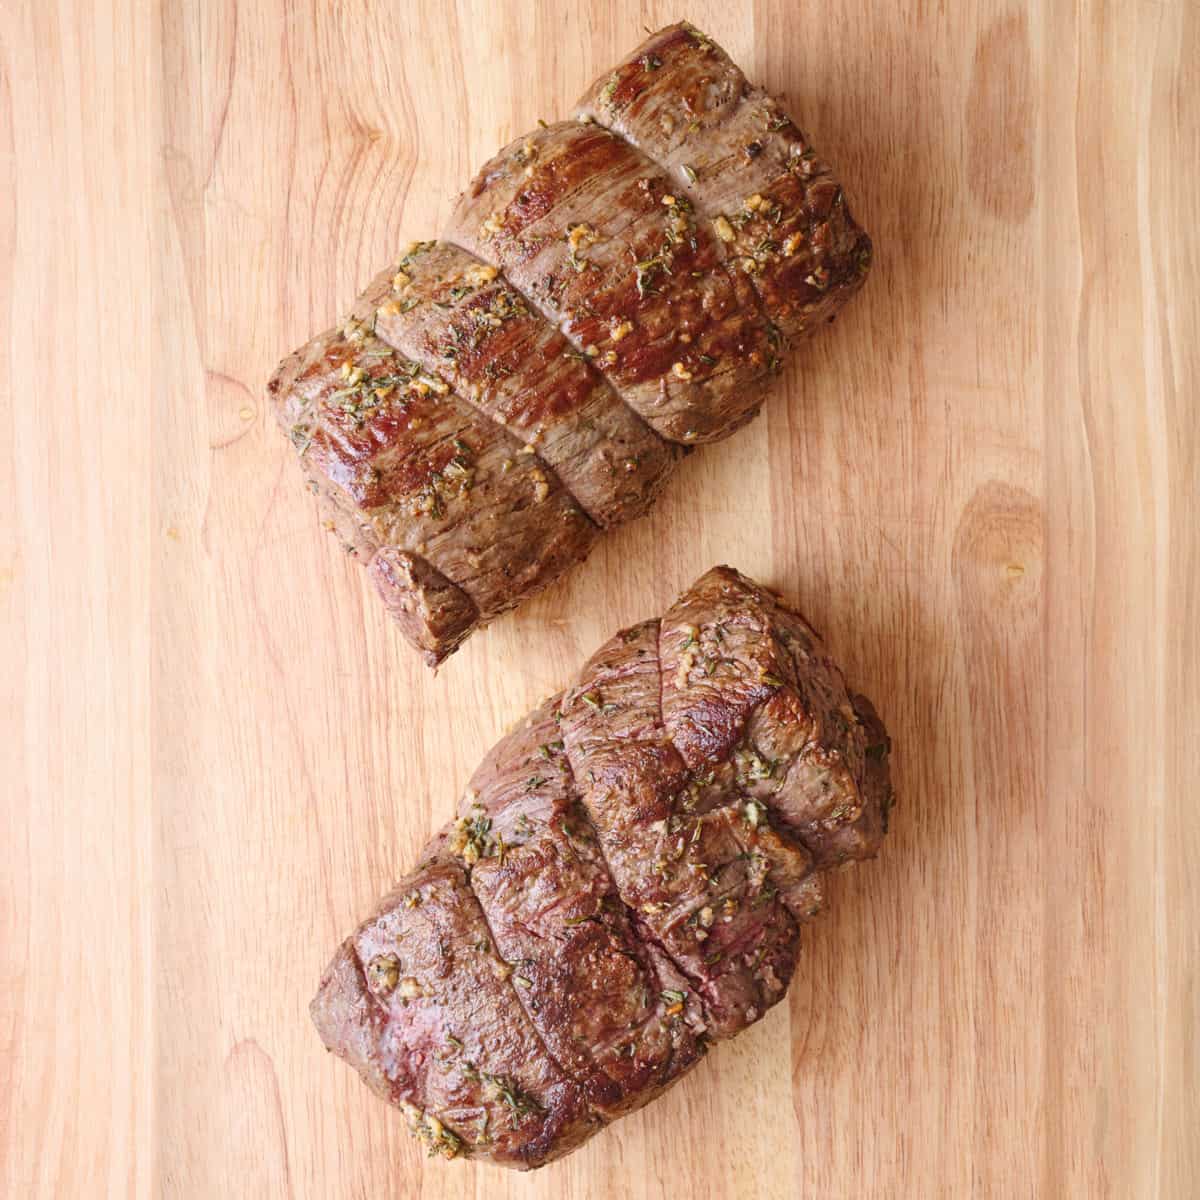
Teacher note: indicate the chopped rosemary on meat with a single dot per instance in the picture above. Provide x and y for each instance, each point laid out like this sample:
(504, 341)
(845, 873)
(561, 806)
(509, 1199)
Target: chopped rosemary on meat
(519, 1103)
(581, 920)
(754, 766)
(647, 271)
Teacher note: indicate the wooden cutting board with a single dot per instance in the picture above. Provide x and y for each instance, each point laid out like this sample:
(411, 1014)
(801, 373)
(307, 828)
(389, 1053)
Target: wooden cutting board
(980, 484)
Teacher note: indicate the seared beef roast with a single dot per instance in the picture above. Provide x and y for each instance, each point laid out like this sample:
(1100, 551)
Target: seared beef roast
(624, 883)
(610, 290)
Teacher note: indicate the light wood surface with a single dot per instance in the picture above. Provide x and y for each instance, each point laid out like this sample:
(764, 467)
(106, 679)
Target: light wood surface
(980, 484)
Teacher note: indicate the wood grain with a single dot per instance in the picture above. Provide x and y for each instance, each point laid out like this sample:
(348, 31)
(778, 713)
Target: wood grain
(980, 484)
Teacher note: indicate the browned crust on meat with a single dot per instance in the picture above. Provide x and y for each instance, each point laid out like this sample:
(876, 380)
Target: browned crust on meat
(624, 882)
(405, 468)
(612, 289)
(593, 233)
(742, 161)
(458, 317)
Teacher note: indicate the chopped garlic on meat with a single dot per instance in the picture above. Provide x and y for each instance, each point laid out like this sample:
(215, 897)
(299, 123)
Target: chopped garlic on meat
(581, 235)
(480, 274)
(686, 661)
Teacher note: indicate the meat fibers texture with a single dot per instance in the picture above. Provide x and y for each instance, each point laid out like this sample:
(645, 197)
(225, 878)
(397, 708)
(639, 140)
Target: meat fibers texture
(610, 291)
(623, 884)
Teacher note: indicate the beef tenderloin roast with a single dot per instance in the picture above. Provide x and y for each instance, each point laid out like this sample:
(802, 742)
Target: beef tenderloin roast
(624, 883)
(610, 291)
